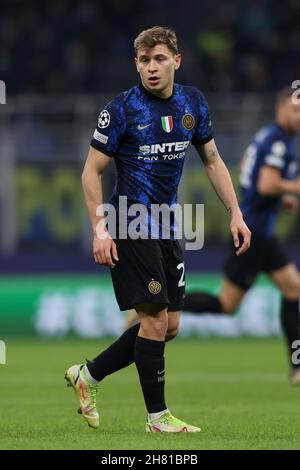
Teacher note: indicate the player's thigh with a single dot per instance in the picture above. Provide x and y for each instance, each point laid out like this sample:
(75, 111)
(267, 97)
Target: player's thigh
(287, 279)
(230, 296)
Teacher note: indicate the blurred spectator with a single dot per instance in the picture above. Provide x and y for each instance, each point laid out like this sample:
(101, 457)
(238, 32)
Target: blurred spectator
(83, 45)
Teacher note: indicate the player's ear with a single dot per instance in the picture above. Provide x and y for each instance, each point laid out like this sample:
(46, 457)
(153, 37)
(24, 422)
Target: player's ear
(136, 64)
(177, 61)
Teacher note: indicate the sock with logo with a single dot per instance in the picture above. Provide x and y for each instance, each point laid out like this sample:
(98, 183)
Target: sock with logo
(150, 364)
(290, 323)
(201, 302)
(118, 355)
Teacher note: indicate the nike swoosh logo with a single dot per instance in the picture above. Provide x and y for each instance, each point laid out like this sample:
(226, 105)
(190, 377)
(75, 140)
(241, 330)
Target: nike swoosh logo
(161, 372)
(140, 128)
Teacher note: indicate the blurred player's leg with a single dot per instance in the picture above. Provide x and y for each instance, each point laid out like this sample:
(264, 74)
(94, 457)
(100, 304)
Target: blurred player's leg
(288, 281)
(131, 318)
(202, 302)
(227, 301)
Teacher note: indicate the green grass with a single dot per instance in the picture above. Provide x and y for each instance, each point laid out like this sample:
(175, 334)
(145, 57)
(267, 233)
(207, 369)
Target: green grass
(235, 389)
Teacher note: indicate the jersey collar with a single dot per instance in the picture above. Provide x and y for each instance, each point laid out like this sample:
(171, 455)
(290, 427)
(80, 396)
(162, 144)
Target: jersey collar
(284, 132)
(148, 93)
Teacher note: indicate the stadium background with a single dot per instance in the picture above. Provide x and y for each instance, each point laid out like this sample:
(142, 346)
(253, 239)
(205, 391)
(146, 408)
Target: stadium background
(61, 63)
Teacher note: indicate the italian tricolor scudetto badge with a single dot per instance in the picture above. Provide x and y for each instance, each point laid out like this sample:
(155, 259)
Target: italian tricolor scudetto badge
(167, 123)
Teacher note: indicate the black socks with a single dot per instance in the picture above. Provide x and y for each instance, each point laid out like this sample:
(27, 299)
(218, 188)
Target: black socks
(150, 363)
(148, 356)
(201, 302)
(290, 322)
(117, 356)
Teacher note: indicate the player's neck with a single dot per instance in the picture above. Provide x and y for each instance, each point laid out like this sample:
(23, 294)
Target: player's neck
(162, 94)
(284, 127)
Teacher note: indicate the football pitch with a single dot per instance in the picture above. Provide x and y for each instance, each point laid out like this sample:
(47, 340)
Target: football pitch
(236, 390)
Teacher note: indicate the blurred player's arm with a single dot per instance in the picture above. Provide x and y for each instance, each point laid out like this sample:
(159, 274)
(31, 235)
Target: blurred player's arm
(104, 248)
(219, 177)
(271, 183)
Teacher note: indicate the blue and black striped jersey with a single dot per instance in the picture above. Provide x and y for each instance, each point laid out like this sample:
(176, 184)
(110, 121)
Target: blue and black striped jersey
(148, 136)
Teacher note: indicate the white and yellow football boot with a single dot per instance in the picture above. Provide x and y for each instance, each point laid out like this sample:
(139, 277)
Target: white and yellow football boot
(168, 423)
(85, 392)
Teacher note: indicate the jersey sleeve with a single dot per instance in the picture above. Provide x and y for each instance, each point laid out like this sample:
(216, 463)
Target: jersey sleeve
(110, 128)
(292, 168)
(275, 154)
(203, 131)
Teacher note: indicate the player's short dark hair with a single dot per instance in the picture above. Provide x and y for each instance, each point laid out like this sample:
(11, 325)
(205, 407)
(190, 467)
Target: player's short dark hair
(284, 94)
(149, 38)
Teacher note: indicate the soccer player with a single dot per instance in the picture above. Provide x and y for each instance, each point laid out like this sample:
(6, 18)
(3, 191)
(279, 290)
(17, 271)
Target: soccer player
(268, 182)
(146, 131)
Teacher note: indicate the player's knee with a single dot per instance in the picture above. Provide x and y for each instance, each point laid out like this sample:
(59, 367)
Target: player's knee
(231, 310)
(292, 290)
(160, 325)
(297, 288)
(155, 325)
(228, 306)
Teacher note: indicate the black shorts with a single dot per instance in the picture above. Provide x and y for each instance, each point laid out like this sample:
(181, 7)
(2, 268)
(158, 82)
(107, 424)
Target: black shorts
(149, 271)
(264, 255)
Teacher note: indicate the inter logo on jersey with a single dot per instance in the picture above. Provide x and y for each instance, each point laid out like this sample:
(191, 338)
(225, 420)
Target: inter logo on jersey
(188, 121)
(167, 123)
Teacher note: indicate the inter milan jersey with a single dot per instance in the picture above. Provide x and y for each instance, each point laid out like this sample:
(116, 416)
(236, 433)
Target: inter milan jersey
(271, 147)
(148, 137)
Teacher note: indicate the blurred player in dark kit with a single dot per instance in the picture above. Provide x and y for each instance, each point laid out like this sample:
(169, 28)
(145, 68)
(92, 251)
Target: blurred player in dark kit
(268, 182)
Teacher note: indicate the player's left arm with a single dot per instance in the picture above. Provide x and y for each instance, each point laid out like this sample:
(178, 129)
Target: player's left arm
(219, 177)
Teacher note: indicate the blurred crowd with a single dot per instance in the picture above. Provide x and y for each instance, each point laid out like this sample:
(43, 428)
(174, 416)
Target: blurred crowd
(87, 45)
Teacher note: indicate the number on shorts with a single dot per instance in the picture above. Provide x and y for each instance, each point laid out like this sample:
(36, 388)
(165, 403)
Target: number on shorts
(181, 282)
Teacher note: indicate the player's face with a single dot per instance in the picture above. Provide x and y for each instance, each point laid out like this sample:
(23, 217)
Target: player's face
(290, 113)
(157, 67)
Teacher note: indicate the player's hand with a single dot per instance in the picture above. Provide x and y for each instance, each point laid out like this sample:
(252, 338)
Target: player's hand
(290, 203)
(105, 250)
(239, 231)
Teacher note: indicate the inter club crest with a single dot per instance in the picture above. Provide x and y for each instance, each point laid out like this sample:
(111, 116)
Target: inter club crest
(188, 121)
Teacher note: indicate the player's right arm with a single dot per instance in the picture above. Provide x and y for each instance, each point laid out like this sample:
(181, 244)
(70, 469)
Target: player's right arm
(104, 146)
(104, 248)
(271, 183)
